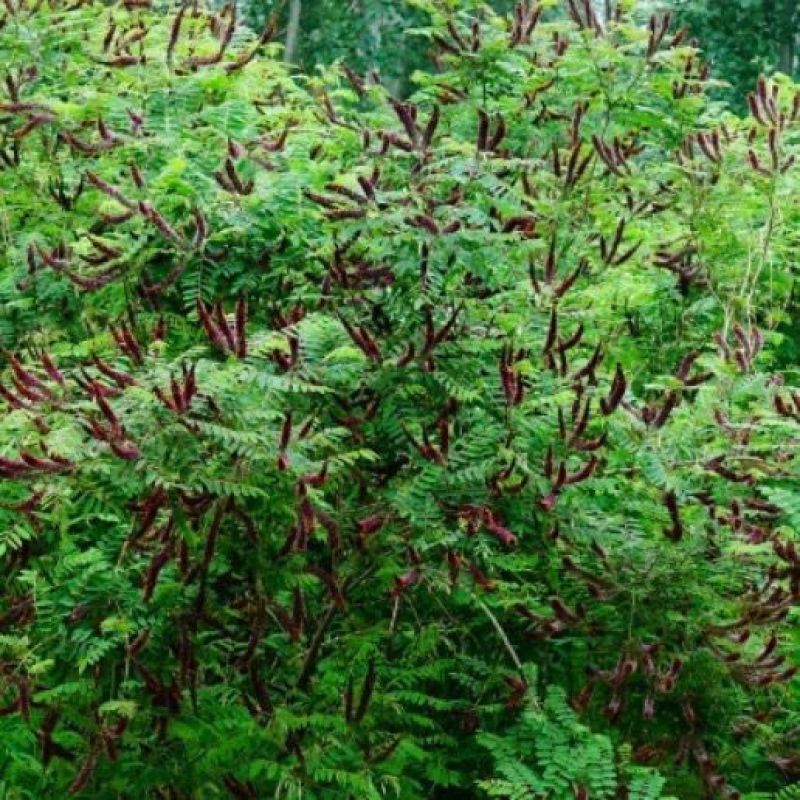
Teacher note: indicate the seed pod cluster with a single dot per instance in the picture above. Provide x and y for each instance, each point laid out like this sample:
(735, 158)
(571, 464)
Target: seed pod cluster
(181, 393)
(525, 19)
(228, 335)
(748, 345)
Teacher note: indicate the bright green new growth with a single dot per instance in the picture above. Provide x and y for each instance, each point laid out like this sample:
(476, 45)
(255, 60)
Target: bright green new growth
(566, 754)
(328, 417)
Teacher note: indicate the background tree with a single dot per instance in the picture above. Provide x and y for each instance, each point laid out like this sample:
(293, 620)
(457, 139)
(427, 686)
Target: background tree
(365, 34)
(743, 39)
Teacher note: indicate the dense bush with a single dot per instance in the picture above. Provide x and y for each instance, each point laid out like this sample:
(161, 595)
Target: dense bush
(338, 431)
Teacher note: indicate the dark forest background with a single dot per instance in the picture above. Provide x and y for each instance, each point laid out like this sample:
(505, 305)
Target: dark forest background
(741, 38)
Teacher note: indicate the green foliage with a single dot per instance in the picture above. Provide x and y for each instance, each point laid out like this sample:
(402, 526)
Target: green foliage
(549, 753)
(787, 793)
(324, 413)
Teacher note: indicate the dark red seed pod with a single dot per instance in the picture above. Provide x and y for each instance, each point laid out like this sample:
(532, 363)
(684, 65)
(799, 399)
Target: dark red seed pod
(306, 428)
(106, 410)
(614, 708)
(617, 392)
(483, 130)
(125, 449)
(649, 707)
(160, 330)
(675, 667)
(503, 535)
(12, 399)
(372, 351)
(322, 200)
(174, 34)
(671, 400)
(111, 191)
(332, 530)
(548, 503)
(129, 345)
(453, 566)
(298, 610)
(689, 713)
(138, 644)
(346, 213)
(517, 690)
(404, 582)
(23, 375)
(286, 431)
(84, 774)
(33, 122)
(573, 340)
(122, 379)
(407, 357)
(768, 649)
(548, 463)
(241, 325)
(581, 702)
(480, 578)
(224, 328)
(158, 562)
(563, 612)
(31, 259)
(25, 391)
(588, 370)
(167, 402)
(585, 472)
(444, 332)
(370, 525)
(552, 332)
(430, 128)
(675, 533)
(508, 381)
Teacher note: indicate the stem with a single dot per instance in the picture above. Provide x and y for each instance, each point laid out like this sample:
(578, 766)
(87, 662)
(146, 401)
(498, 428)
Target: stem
(503, 637)
(310, 660)
(786, 51)
(312, 654)
(293, 30)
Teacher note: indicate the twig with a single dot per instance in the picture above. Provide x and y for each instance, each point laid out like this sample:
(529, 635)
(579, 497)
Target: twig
(509, 647)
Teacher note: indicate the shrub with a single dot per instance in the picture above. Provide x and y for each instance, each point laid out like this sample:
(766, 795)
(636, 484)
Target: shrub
(326, 415)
